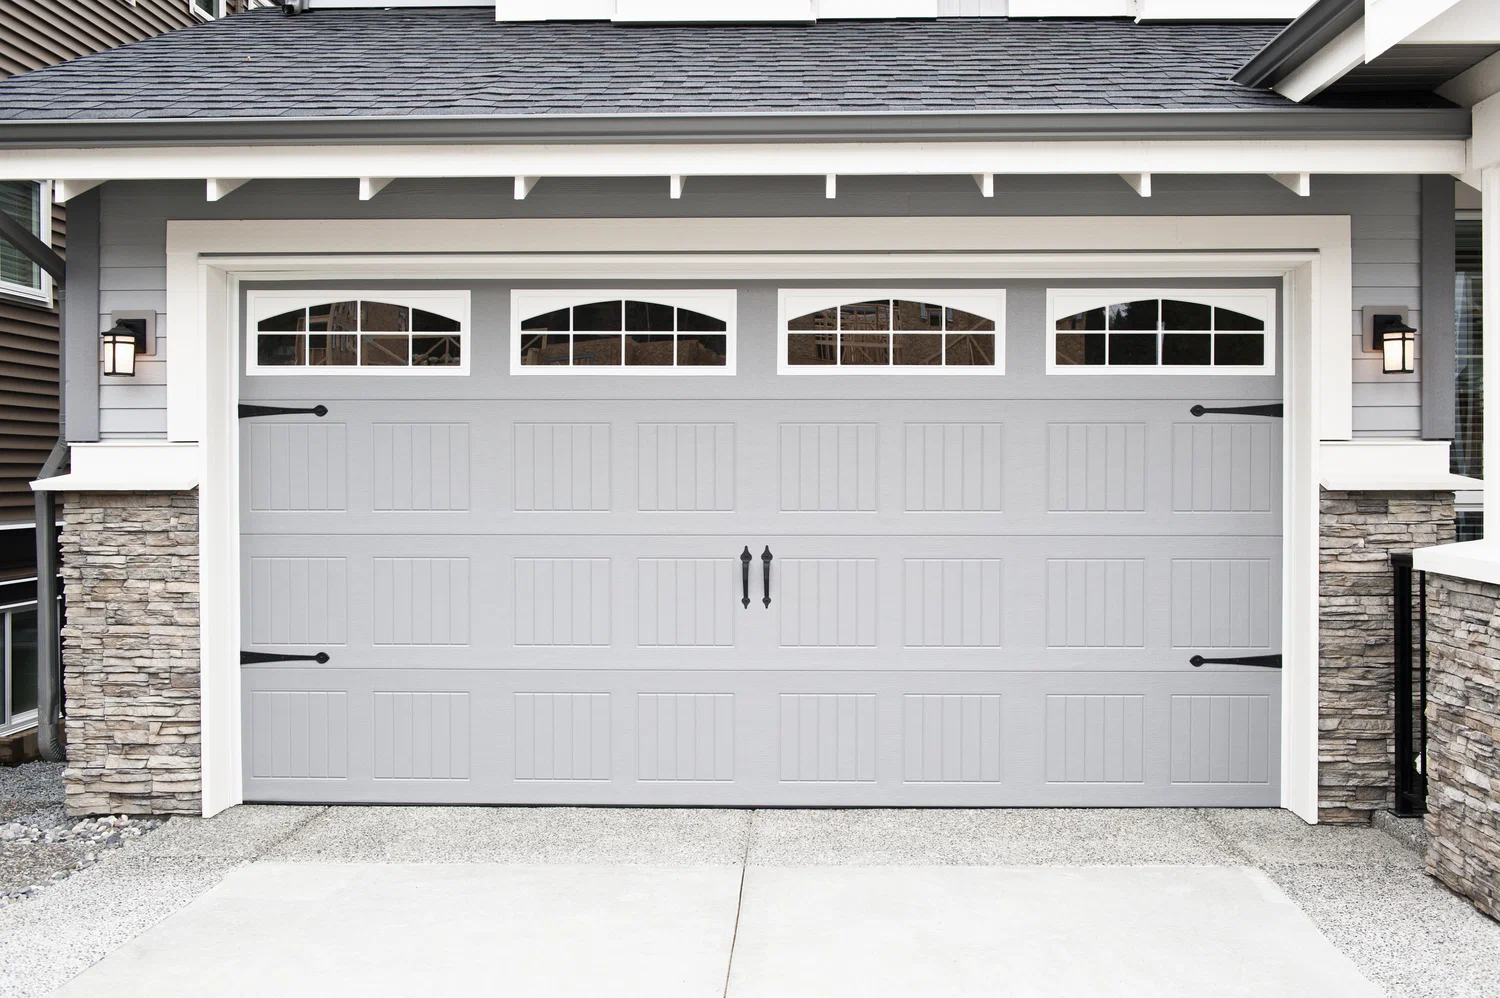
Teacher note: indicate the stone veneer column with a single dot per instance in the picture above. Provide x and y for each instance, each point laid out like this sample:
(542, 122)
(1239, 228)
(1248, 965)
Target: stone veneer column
(130, 652)
(1463, 738)
(1356, 648)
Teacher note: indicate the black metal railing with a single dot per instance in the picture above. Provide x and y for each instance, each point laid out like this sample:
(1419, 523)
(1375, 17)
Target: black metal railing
(1411, 686)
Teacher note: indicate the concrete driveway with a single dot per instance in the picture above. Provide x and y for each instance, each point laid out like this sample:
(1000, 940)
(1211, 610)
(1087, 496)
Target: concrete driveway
(564, 901)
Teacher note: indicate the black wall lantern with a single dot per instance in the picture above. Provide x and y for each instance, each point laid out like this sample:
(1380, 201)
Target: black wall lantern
(1398, 344)
(122, 342)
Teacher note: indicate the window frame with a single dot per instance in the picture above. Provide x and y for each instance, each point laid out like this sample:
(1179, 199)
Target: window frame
(1081, 299)
(263, 304)
(717, 303)
(43, 294)
(988, 303)
(203, 15)
(10, 723)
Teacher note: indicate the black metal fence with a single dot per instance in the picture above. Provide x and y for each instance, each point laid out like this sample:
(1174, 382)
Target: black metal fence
(1410, 702)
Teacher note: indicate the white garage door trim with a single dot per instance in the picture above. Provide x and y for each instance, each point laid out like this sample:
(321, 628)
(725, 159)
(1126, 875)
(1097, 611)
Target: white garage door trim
(203, 285)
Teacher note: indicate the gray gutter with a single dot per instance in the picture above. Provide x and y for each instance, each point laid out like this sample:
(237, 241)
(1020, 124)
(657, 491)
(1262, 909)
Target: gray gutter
(1319, 24)
(1294, 121)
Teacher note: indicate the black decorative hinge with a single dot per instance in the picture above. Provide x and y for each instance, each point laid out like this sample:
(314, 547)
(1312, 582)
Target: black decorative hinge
(1276, 409)
(1261, 661)
(262, 657)
(247, 411)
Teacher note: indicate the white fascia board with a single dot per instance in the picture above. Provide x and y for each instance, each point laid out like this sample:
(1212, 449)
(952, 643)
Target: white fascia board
(1073, 8)
(1477, 561)
(1339, 156)
(549, 10)
(703, 12)
(127, 466)
(1388, 23)
(858, 9)
(1326, 66)
(1376, 465)
(1220, 10)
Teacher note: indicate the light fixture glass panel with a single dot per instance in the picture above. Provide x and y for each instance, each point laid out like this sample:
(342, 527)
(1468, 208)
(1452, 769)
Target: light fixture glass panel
(119, 353)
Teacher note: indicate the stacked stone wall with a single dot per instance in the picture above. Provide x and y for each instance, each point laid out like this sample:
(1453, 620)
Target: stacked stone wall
(1463, 738)
(130, 652)
(1356, 647)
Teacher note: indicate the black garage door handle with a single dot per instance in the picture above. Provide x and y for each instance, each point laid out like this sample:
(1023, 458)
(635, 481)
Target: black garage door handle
(1263, 661)
(246, 411)
(262, 657)
(1276, 409)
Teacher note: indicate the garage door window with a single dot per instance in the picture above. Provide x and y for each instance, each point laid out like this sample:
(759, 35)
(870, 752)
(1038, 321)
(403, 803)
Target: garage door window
(331, 333)
(1160, 332)
(615, 332)
(875, 331)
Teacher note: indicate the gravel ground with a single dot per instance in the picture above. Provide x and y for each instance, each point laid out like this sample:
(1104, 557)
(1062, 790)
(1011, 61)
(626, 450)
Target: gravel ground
(39, 844)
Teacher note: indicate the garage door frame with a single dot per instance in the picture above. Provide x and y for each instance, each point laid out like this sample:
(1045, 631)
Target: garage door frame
(205, 269)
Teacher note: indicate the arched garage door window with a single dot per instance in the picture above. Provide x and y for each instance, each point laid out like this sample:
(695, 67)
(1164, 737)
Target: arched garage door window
(1149, 331)
(623, 332)
(362, 333)
(879, 331)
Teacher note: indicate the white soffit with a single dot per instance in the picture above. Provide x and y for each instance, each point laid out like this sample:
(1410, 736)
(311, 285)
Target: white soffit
(701, 11)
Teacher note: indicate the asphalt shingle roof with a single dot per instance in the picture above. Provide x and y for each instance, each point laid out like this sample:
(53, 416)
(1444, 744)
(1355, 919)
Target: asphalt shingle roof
(460, 61)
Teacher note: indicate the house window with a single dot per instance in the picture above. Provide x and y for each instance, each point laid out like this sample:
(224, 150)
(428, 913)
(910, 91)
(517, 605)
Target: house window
(18, 695)
(870, 331)
(623, 332)
(353, 333)
(26, 201)
(1141, 331)
(208, 10)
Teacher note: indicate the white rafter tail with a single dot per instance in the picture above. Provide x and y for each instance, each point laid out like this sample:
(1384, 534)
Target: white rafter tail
(1139, 182)
(371, 186)
(986, 182)
(64, 191)
(1299, 184)
(220, 188)
(678, 182)
(524, 186)
(831, 185)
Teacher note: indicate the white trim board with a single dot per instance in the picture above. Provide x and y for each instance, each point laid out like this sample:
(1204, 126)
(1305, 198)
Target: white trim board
(737, 159)
(206, 262)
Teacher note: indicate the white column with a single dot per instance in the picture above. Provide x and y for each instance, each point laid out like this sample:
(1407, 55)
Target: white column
(1490, 194)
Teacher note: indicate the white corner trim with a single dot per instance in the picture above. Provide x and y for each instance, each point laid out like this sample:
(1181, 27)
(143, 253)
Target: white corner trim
(1478, 561)
(127, 466)
(1375, 465)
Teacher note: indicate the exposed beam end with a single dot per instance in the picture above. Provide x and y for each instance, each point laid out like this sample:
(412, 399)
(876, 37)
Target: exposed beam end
(371, 186)
(678, 182)
(986, 182)
(64, 191)
(1299, 184)
(220, 187)
(831, 185)
(524, 186)
(1139, 182)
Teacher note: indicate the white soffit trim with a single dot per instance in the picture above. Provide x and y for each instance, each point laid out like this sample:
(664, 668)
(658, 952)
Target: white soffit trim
(1347, 156)
(1299, 184)
(126, 466)
(524, 186)
(1326, 66)
(220, 188)
(1473, 84)
(1139, 182)
(1373, 465)
(986, 182)
(371, 186)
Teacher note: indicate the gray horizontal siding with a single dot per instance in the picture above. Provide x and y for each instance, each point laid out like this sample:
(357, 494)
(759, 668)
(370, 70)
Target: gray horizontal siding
(1385, 214)
(34, 34)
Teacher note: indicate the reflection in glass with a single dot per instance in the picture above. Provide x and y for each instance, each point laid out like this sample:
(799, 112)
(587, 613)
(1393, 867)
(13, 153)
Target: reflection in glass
(1092, 319)
(1239, 349)
(1225, 318)
(827, 318)
(971, 349)
(647, 317)
(811, 349)
(286, 322)
(1077, 349)
(643, 350)
(423, 321)
(865, 315)
(1132, 348)
(436, 351)
(558, 321)
(1135, 315)
(1186, 349)
(961, 321)
(546, 348)
(334, 317)
(915, 316)
(599, 316)
(702, 351)
(22, 661)
(278, 350)
(689, 321)
(384, 351)
(864, 349)
(1185, 315)
(341, 351)
(381, 317)
(596, 351)
(916, 349)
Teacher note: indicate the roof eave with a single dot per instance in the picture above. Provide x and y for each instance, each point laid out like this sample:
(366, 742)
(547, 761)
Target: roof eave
(1318, 25)
(1291, 122)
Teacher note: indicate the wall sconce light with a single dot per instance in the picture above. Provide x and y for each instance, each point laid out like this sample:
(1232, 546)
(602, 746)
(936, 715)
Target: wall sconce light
(1398, 344)
(121, 344)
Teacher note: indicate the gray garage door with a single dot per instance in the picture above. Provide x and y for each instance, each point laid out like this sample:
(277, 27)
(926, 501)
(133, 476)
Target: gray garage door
(983, 589)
